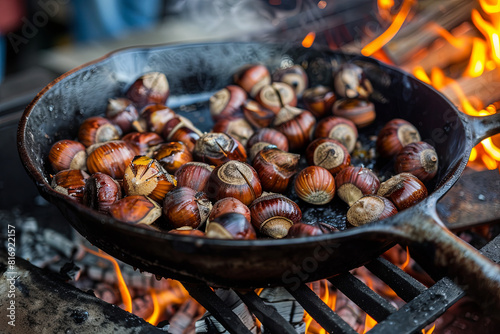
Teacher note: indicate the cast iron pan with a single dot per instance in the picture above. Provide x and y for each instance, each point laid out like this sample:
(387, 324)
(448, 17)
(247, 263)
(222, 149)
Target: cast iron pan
(195, 72)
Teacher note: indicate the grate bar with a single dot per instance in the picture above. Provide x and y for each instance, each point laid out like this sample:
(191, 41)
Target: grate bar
(273, 321)
(398, 280)
(321, 312)
(216, 306)
(370, 302)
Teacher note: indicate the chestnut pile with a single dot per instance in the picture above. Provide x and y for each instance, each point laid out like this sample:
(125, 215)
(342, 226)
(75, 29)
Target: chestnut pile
(142, 163)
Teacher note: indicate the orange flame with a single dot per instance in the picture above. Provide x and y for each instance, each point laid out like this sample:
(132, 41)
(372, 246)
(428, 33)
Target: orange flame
(308, 41)
(430, 331)
(153, 318)
(322, 4)
(407, 261)
(477, 60)
(491, 6)
(369, 321)
(387, 35)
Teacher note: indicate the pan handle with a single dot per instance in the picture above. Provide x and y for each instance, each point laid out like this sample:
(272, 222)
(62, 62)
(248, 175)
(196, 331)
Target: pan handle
(483, 126)
(442, 253)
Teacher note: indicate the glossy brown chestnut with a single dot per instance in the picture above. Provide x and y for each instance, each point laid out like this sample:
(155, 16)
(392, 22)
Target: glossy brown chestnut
(419, 159)
(304, 230)
(369, 209)
(143, 143)
(395, 135)
(328, 153)
(227, 102)
(172, 155)
(238, 128)
(252, 77)
(297, 125)
(153, 118)
(215, 148)
(360, 112)
(101, 190)
(295, 76)
(227, 205)
(350, 81)
(255, 149)
(110, 158)
(319, 100)
(354, 182)
(194, 175)
(122, 113)
(270, 136)
(136, 209)
(274, 214)
(150, 88)
(97, 129)
(257, 115)
(181, 129)
(234, 179)
(230, 225)
(275, 168)
(187, 231)
(404, 190)
(67, 154)
(146, 176)
(275, 96)
(338, 128)
(70, 182)
(315, 185)
(184, 206)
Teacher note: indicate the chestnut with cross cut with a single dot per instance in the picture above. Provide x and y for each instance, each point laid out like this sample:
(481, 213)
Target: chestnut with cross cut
(216, 148)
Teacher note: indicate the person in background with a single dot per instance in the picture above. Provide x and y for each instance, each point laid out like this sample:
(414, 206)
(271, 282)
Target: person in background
(11, 12)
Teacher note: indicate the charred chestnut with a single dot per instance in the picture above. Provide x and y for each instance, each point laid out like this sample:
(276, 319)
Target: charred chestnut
(142, 142)
(101, 190)
(360, 112)
(354, 182)
(67, 154)
(153, 118)
(329, 154)
(227, 102)
(234, 179)
(172, 155)
(216, 148)
(315, 185)
(338, 128)
(274, 214)
(404, 190)
(252, 78)
(276, 95)
(122, 113)
(150, 88)
(238, 128)
(97, 129)
(296, 124)
(230, 225)
(319, 100)
(295, 76)
(395, 135)
(136, 209)
(350, 81)
(369, 209)
(186, 207)
(194, 175)
(227, 205)
(275, 168)
(70, 182)
(419, 159)
(110, 158)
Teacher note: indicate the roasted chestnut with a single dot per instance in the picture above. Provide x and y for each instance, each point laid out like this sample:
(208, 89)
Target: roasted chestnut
(181, 129)
(227, 102)
(304, 230)
(184, 206)
(110, 158)
(136, 209)
(230, 225)
(172, 155)
(274, 214)
(252, 77)
(97, 129)
(295, 76)
(234, 179)
(319, 100)
(271, 136)
(396, 134)
(229, 204)
(216, 148)
(194, 175)
(70, 182)
(67, 154)
(315, 185)
(122, 113)
(185, 230)
(143, 143)
(328, 153)
(419, 159)
(296, 124)
(354, 182)
(360, 112)
(101, 190)
(404, 190)
(150, 88)
(275, 168)
(275, 96)
(153, 118)
(338, 128)
(145, 176)
(369, 209)
(257, 115)
(350, 81)
(238, 128)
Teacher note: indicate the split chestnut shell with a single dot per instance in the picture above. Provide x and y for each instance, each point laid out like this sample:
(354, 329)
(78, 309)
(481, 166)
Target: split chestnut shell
(172, 155)
(276, 168)
(216, 148)
(70, 182)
